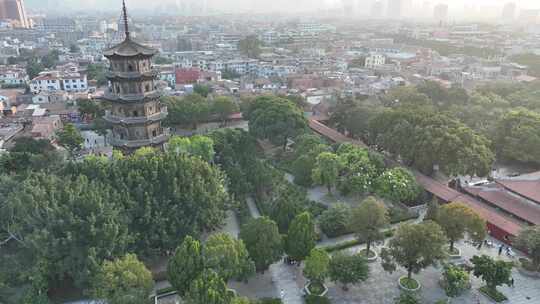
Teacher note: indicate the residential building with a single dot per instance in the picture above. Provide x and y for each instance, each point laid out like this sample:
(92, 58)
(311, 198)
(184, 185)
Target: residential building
(13, 76)
(374, 60)
(68, 78)
(440, 13)
(45, 127)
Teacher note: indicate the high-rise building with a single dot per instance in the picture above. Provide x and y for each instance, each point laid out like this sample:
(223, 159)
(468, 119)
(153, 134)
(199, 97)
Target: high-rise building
(377, 9)
(509, 11)
(13, 10)
(440, 13)
(348, 8)
(136, 111)
(529, 16)
(394, 9)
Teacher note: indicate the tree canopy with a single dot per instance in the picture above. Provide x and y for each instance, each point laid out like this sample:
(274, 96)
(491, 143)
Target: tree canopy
(185, 265)
(348, 269)
(228, 257)
(368, 219)
(123, 281)
(414, 247)
(263, 242)
(529, 239)
(275, 119)
(301, 237)
(456, 219)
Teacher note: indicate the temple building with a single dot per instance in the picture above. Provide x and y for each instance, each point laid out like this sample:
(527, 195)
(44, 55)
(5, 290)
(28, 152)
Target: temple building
(136, 112)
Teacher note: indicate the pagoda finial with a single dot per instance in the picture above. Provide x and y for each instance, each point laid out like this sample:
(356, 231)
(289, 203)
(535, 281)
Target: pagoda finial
(124, 11)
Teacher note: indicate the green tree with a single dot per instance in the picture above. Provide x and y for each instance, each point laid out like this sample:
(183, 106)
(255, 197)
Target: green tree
(199, 146)
(90, 108)
(250, 47)
(123, 281)
(56, 216)
(456, 219)
(186, 265)
(202, 90)
(368, 220)
(301, 237)
(494, 273)
(97, 72)
(348, 269)
(398, 185)
(224, 106)
(407, 298)
(316, 265)
(31, 145)
(336, 220)
(33, 68)
(519, 128)
(188, 111)
(358, 171)
(414, 247)
(326, 170)
(433, 210)
(70, 138)
(529, 239)
(263, 242)
(306, 149)
(455, 280)
(275, 119)
(288, 201)
(208, 288)
(228, 257)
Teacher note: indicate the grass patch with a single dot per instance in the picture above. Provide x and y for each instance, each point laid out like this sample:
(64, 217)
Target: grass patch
(409, 283)
(493, 294)
(316, 288)
(370, 255)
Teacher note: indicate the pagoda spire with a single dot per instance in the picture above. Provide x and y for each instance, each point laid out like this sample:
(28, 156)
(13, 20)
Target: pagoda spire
(125, 17)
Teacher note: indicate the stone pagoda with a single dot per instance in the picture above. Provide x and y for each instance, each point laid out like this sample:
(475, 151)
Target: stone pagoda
(136, 111)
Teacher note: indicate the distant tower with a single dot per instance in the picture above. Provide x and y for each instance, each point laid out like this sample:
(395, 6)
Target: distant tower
(394, 9)
(136, 111)
(14, 10)
(377, 9)
(440, 13)
(509, 12)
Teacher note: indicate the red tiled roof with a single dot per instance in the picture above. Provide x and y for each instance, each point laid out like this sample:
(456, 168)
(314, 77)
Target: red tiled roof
(432, 186)
(187, 76)
(529, 189)
(332, 134)
(509, 203)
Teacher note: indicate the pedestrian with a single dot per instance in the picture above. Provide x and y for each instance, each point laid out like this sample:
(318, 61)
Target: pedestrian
(282, 294)
(500, 249)
(512, 282)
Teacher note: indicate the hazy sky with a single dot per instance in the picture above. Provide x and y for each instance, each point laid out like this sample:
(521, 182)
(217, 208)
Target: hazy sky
(246, 5)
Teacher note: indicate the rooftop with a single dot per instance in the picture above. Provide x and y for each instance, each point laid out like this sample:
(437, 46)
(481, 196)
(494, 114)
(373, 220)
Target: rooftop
(129, 48)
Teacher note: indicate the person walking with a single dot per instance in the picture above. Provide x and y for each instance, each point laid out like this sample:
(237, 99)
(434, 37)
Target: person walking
(512, 282)
(500, 249)
(282, 294)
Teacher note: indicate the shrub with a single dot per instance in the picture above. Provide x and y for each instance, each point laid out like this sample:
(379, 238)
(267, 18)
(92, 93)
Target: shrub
(398, 215)
(455, 280)
(312, 299)
(335, 221)
(406, 298)
(493, 294)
